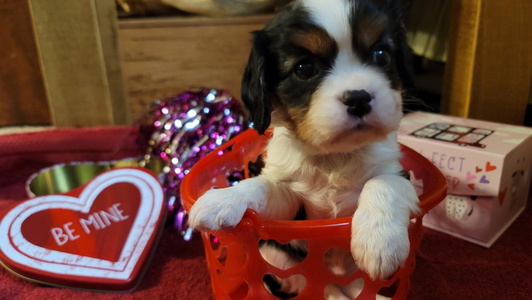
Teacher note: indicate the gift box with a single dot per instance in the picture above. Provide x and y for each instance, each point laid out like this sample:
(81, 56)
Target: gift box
(487, 166)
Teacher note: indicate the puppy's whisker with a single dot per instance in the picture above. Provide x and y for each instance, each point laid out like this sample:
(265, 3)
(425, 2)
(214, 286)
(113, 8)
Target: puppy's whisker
(411, 101)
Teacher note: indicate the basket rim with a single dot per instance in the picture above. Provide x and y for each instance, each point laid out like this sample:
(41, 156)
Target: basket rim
(434, 191)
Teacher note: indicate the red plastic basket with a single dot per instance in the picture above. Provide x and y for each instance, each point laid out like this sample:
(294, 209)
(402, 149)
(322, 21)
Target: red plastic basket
(236, 266)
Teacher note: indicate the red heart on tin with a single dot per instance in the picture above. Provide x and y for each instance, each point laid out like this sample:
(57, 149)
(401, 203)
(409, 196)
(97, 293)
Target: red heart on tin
(98, 236)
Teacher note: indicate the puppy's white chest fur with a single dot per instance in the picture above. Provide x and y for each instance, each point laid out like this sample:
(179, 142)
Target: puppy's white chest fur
(327, 185)
(331, 193)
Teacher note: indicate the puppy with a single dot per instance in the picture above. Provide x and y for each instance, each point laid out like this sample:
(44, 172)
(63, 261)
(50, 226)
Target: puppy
(328, 77)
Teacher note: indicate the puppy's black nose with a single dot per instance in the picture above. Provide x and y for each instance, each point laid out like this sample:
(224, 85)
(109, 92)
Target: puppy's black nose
(358, 102)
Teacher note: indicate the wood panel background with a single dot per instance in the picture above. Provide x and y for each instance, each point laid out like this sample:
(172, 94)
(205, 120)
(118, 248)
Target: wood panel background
(87, 60)
(79, 61)
(22, 96)
(489, 68)
(164, 56)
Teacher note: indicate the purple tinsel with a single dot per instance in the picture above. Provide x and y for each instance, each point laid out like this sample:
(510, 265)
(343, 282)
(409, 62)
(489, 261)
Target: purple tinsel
(183, 129)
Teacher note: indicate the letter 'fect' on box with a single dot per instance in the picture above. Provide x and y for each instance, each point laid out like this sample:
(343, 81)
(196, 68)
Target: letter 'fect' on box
(487, 166)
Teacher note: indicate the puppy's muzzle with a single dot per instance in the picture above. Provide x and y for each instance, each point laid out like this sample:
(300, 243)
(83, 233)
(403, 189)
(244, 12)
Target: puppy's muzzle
(358, 102)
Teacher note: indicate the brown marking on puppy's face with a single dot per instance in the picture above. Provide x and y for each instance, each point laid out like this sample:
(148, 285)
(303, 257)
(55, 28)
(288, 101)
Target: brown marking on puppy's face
(305, 129)
(307, 56)
(314, 40)
(298, 117)
(293, 118)
(369, 30)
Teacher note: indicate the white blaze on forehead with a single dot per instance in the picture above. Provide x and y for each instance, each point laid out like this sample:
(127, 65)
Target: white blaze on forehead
(333, 16)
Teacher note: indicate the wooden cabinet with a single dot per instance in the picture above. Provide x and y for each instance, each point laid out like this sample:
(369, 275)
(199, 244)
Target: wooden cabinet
(85, 68)
(22, 94)
(78, 78)
(161, 57)
(488, 73)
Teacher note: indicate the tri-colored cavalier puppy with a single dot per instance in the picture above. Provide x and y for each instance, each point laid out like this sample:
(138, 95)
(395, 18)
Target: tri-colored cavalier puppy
(328, 76)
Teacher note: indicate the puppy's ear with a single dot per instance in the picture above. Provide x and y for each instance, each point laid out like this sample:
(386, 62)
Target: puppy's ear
(255, 83)
(406, 4)
(403, 55)
(404, 61)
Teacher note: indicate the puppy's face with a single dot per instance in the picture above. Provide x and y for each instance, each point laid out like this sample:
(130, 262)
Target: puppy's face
(332, 72)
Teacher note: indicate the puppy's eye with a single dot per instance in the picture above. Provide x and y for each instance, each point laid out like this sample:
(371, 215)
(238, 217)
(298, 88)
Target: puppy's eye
(382, 57)
(305, 70)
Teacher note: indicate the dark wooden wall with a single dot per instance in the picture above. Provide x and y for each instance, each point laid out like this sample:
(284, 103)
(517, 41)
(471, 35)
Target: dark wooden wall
(22, 94)
(488, 72)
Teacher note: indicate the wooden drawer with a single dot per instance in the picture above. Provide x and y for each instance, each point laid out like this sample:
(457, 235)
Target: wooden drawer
(161, 57)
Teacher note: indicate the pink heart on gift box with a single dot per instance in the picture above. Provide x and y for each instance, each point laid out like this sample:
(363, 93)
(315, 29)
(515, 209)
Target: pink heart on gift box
(470, 176)
(97, 237)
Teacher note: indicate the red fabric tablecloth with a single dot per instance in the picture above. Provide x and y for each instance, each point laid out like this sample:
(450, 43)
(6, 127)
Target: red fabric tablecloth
(447, 267)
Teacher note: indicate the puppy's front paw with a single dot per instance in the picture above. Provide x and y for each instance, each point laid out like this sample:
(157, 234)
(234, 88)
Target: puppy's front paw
(222, 208)
(379, 245)
(217, 209)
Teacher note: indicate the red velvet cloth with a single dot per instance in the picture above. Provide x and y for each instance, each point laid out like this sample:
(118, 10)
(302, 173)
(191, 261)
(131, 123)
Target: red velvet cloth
(446, 268)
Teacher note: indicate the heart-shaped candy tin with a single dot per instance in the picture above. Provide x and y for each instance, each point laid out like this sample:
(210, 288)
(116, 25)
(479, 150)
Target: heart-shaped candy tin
(98, 236)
